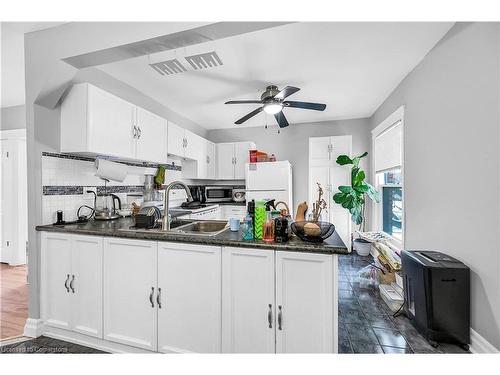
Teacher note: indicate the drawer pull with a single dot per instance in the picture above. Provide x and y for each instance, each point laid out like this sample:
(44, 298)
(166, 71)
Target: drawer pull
(270, 316)
(66, 283)
(279, 317)
(151, 296)
(71, 283)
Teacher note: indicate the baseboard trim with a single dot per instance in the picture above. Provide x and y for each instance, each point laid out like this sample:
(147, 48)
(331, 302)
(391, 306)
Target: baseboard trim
(33, 327)
(91, 342)
(479, 345)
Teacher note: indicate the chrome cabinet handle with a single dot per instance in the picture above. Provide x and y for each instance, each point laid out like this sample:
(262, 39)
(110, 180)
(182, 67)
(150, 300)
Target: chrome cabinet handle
(158, 298)
(139, 132)
(279, 317)
(66, 283)
(135, 131)
(208, 159)
(71, 283)
(270, 316)
(151, 296)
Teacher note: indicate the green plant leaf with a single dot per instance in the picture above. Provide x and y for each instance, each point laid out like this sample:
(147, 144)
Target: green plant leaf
(373, 194)
(348, 202)
(359, 178)
(343, 160)
(339, 198)
(361, 188)
(345, 189)
(356, 160)
(354, 173)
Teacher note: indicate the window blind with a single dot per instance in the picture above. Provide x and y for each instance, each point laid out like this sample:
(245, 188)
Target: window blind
(388, 148)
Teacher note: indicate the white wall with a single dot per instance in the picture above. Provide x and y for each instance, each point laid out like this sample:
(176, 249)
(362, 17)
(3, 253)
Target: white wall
(13, 117)
(452, 160)
(293, 144)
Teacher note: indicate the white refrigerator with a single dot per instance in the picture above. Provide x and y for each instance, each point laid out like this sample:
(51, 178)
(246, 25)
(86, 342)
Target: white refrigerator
(271, 180)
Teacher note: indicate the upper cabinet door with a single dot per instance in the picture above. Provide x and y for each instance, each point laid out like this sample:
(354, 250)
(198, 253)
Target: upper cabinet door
(55, 279)
(110, 124)
(211, 168)
(151, 137)
(175, 140)
(320, 151)
(241, 157)
(194, 146)
(189, 302)
(248, 310)
(86, 285)
(304, 303)
(225, 161)
(130, 278)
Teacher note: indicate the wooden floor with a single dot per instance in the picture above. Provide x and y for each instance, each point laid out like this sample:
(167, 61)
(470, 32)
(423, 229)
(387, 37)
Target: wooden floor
(13, 300)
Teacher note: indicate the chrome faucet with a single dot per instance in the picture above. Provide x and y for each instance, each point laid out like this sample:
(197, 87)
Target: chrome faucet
(165, 225)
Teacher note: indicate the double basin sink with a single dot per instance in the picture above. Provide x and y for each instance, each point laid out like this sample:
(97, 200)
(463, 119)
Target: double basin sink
(190, 227)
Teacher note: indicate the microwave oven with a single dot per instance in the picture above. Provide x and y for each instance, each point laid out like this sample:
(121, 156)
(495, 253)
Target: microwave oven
(219, 193)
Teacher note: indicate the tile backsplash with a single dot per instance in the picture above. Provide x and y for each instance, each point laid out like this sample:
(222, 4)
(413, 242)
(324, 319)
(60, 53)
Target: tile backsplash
(65, 177)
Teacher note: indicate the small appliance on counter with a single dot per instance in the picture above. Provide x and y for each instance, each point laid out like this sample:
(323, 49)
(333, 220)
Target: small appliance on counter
(198, 193)
(437, 296)
(105, 207)
(148, 217)
(218, 193)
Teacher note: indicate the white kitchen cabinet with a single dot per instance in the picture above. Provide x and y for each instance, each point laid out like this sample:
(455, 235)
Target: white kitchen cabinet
(55, 277)
(96, 122)
(323, 168)
(175, 139)
(248, 307)
(151, 137)
(211, 161)
(189, 295)
(231, 159)
(241, 157)
(304, 303)
(130, 280)
(71, 293)
(225, 161)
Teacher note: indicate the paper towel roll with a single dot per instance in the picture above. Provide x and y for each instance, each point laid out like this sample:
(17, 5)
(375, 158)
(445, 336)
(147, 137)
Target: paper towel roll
(110, 170)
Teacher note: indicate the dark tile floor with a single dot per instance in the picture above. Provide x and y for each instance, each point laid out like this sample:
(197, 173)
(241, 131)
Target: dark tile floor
(366, 324)
(44, 344)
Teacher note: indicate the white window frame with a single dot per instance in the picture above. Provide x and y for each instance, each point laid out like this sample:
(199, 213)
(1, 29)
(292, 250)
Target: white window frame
(396, 117)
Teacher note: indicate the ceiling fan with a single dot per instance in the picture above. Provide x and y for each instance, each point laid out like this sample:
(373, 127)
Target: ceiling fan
(273, 101)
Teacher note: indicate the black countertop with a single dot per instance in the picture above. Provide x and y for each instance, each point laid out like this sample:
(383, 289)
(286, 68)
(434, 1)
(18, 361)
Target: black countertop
(118, 228)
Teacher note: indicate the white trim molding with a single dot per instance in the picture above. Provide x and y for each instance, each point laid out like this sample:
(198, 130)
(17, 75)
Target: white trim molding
(13, 134)
(33, 327)
(479, 345)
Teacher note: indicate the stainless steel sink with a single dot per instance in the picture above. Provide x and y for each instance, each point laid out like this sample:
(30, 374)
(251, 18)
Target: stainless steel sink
(199, 228)
(207, 228)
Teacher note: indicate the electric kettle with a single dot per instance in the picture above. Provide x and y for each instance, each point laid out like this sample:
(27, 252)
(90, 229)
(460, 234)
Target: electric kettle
(105, 208)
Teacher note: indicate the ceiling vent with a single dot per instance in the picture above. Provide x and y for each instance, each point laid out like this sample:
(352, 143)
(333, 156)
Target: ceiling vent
(204, 60)
(168, 67)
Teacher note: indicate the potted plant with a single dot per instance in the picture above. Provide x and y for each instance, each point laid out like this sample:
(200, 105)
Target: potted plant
(352, 198)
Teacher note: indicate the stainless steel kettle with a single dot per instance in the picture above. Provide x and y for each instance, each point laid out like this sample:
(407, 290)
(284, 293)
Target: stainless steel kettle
(105, 207)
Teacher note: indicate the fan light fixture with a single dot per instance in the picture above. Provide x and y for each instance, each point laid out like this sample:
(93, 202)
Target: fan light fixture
(273, 108)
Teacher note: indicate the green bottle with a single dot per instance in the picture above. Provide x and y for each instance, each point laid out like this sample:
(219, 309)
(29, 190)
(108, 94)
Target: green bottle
(260, 218)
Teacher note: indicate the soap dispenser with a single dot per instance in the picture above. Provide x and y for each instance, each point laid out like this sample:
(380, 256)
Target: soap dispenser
(268, 235)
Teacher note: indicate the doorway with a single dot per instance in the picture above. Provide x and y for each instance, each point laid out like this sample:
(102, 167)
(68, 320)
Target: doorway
(13, 233)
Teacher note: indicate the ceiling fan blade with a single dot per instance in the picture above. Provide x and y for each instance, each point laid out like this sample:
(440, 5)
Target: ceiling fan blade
(306, 105)
(243, 102)
(282, 121)
(287, 91)
(251, 114)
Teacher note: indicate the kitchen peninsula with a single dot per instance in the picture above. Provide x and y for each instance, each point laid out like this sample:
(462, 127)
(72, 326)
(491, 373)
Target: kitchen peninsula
(117, 289)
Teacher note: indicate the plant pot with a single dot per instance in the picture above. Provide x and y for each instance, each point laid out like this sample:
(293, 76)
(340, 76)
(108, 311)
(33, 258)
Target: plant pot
(362, 247)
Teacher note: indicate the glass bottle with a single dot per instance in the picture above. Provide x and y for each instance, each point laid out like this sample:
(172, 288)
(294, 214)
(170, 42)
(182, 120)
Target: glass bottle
(268, 235)
(248, 228)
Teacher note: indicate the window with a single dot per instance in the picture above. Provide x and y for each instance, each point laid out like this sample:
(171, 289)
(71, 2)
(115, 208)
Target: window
(387, 142)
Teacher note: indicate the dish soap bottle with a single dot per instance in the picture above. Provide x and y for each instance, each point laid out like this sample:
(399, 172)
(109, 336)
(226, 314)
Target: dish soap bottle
(268, 235)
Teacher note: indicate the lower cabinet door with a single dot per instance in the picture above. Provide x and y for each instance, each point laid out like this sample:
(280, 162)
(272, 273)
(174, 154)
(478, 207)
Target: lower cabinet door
(304, 302)
(55, 279)
(130, 279)
(248, 310)
(86, 285)
(189, 308)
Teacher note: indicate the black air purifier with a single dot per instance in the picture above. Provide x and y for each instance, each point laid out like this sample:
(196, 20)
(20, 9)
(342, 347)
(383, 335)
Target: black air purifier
(437, 296)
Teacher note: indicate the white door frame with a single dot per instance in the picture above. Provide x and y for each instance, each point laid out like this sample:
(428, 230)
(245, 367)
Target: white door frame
(18, 203)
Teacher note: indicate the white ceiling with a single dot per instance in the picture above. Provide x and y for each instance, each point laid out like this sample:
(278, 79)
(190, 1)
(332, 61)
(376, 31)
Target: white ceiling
(351, 67)
(12, 59)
